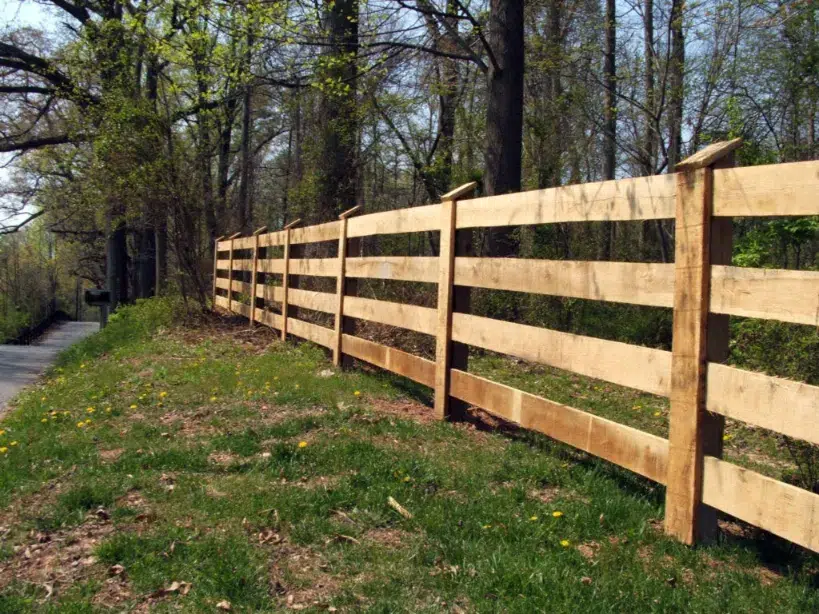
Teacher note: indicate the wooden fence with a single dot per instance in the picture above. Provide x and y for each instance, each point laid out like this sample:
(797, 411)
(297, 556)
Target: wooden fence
(701, 286)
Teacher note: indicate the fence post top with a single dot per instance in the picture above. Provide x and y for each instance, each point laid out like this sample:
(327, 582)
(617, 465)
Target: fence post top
(461, 191)
(235, 235)
(349, 212)
(291, 224)
(259, 231)
(709, 155)
(219, 238)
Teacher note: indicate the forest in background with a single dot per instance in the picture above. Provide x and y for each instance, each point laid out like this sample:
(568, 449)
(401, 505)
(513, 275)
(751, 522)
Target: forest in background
(136, 132)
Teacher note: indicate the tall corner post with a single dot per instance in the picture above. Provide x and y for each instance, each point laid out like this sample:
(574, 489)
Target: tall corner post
(215, 268)
(286, 275)
(231, 238)
(254, 274)
(698, 337)
(340, 283)
(446, 291)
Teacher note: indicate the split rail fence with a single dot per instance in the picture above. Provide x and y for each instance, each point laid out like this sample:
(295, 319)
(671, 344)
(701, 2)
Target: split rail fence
(701, 286)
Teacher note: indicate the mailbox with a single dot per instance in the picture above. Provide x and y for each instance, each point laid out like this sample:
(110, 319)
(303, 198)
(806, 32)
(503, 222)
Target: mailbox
(97, 297)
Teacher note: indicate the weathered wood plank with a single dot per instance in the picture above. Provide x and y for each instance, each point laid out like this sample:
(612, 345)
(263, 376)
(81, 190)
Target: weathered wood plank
(781, 405)
(273, 320)
(240, 308)
(403, 268)
(788, 296)
(242, 264)
(313, 332)
(782, 509)
(443, 323)
(315, 234)
(634, 366)
(223, 265)
(223, 283)
(311, 299)
(413, 219)
(627, 447)
(411, 317)
(642, 198)
(772, 190)
(270, 293)
(322, 267)
(622, 282)
(222, 301)
(413, 367)
(689, 352)
(340, 281)
(708, 155)
(272, 239)
(241, 286)
(271, 265)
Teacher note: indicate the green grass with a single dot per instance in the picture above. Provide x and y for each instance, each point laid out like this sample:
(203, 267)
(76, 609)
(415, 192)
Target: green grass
(199, 473)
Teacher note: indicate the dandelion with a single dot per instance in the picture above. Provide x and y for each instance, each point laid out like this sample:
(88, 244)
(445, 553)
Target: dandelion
(88, 421)
(82, 366)
(297, 386)
(275, 378)
(357, 393)
(727, 437)
(42, 398)
(90, 410)
(557, 514)
(565, 543)
(44, 420)
(637, 407)
(3, 450)
(302, 444)
(80, 425)
(163, 394)
(656, 414)
(533, 518)
(107, 410)
(212, 399)
(2, 432)
(407, 479)
(66, 413)
(13, 443)
(486, 526)
(133, 405)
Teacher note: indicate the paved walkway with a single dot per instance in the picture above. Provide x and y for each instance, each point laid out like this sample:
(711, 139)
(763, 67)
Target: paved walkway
(21, 365)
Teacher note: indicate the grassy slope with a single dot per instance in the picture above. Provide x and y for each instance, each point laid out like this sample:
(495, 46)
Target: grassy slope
(198, 474)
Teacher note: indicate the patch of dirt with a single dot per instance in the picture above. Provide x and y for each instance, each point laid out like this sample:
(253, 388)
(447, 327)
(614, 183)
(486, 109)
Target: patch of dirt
(404, 408)
(301, 578)
(223, 458)
(190, 424)
(390, 538)
(589, 550)
(57, 559)
(110, 456)
(132, 499)
(114, 593)
(546, 495)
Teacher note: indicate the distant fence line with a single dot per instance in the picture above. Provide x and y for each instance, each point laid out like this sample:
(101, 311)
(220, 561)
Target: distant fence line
(701, 286)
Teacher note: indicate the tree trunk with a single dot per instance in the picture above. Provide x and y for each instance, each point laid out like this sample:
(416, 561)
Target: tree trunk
(609, 119)
(504, 111)
(675, 83)
(245, 187)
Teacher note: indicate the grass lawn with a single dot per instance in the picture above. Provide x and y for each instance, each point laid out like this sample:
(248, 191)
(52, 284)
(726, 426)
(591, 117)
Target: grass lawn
(208, 467)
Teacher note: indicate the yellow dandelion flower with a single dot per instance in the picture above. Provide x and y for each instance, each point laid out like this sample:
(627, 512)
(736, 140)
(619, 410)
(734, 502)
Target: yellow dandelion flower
(275, 378)
(357, 393)
(3, 450)
(727, 437)
(42, 398)
(2, 432)
(212, 399)
(407, 479)
(163, 394)
(302, 444)
(297, 386)
(80, 425)
(133, 405)
(66, 413)
(656, 414)
(44, 420)
(557, 514)
(533, 518)
(90, 410)
(565, 543)
(486, 526)
(13, 443)
(82, 366)
(88, 421)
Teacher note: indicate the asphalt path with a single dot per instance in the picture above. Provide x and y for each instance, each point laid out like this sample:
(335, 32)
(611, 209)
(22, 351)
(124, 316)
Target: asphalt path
(20, 365)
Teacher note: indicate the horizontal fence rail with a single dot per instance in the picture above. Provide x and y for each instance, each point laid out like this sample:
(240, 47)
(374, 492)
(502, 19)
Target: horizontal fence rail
(701, 287)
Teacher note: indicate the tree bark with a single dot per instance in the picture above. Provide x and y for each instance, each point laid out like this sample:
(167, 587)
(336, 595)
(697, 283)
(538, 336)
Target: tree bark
(675, 83)
(609, 118)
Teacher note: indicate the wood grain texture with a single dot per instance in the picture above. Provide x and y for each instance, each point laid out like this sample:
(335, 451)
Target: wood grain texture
(773, 190)
(242, 264)
(271, 265)
(708, 155)
(272, 239)
(413, 219)
(223, 283)
(408, 365)
(315, 234)
(787, 296)
(240, 308)
(782, 509)
(320, 267)
(312, 299)
(634, 366)
(223, 265)
(404, 268)
(444, 333)
(312, 332)
(285, 282)
(642, 198)
(627, 447)
(621, 282)
(411, 317)
(241, 286)
(270, 293)
(781, 405)
(273, 320)
(222, 301)
(340, 280)
(689, 352)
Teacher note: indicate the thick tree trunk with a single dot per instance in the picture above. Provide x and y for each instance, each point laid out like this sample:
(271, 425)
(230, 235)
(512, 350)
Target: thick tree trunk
(504, 111)
(609, 119)
(337, 171)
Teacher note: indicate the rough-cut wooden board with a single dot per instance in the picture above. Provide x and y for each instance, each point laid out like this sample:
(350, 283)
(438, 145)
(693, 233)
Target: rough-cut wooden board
(776, 189)
(242, 286)
(272, 239)
(782, 509)
(271, 293)
(223, 246)
(222, 301)
(709, 155)
(242, 264)
(642, 198)
(621, 282)
(781, 405)
(789, 296)
(412, 317)
(223, 283)
(317, 334)
(271, 265)
(240, 308)
(273, 320)
(413, 219)
(443, 320)
(319, 301)
(413, 367)
(324, 267)
(223, 265)
(689, 354)
(404, 268)
(314, 234)
(633, 449)
(244, 243)
(638, 367)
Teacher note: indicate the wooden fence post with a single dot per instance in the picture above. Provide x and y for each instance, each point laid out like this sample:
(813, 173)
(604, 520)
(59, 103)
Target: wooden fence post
(342, 258)
(230, 271)
(446, 270)
(215, 266)
(285, 275)
(255, 273)
(691, 433)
